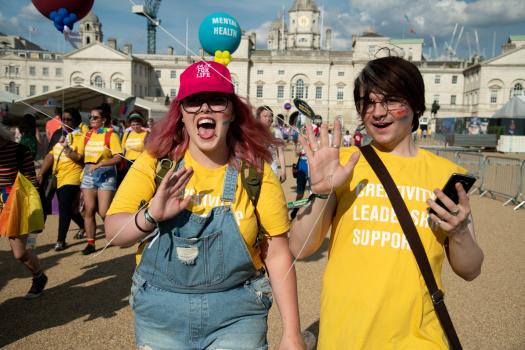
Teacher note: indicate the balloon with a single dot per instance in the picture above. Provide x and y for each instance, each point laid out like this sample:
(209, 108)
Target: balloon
(287, 106)
(64, 12)
(223, 57)
(219, 32)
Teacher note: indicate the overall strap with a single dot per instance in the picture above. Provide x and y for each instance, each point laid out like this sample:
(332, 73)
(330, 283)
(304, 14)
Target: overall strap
(230, 184)
(412, 236)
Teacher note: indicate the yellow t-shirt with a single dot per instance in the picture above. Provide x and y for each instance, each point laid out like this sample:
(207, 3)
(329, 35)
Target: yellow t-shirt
(374, 296)
(133, 144)
(205, 187)
(96, 150)
(84, 128)
(67, 171)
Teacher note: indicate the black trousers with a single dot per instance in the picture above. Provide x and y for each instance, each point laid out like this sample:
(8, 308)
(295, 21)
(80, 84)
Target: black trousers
(68, 209)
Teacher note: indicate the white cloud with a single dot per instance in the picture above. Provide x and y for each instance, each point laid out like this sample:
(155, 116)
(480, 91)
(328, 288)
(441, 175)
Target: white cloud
(261, 33)
(30, 13)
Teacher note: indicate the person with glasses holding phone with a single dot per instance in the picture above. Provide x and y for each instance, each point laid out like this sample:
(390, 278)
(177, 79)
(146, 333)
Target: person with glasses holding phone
(65, 161)
(374, 296)
(201, 280)
(102, 153)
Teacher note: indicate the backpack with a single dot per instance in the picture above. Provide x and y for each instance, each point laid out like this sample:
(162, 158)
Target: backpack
(251, 180)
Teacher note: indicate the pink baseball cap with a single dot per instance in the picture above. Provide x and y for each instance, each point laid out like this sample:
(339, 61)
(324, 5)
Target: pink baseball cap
(205, 77)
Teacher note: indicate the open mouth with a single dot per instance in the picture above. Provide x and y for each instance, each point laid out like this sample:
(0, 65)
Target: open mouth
(383, 125)
(206, 128)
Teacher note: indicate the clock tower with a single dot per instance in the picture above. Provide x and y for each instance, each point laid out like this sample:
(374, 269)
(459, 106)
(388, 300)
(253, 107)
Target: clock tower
(304, 27)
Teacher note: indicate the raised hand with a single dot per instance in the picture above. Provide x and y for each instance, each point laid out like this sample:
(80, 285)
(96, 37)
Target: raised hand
(326, 173)
(169, 199)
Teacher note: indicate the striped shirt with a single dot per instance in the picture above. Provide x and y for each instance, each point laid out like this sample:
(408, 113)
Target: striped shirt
(9, 165)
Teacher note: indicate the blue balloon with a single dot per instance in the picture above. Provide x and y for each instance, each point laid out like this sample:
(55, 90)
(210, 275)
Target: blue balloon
(219, 31)
(52, 15)
(62, 12)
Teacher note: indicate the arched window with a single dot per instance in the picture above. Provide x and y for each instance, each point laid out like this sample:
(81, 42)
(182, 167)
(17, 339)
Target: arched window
(517, 90)
(299, 88)
(88, 40)
(98, 81)
(87, 26)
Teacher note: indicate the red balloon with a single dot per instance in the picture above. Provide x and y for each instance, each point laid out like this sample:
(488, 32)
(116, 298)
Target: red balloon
(79, 7)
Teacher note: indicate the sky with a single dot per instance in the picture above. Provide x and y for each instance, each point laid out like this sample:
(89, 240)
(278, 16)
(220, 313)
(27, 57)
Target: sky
(391, 18)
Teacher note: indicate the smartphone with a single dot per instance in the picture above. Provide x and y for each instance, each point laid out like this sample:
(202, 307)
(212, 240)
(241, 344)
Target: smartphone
(450, 188)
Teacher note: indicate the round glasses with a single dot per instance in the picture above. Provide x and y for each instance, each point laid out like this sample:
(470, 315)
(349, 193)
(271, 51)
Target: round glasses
(389, 104)
(216, 103)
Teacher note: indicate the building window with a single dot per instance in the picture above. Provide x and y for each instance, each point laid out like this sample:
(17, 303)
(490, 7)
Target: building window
(437, 79)
(158, 92)
(259, 93)
(173, 74)
(299, 89)
(58, 72)
(98, 82)
(58, 87)
(280, 72)
(340, 74)
(157, 73)
(45, 71)
(436, 98)
(452, 99)
(32, 90)
(280, 91)
(45, 88)
(493, 96)
(260, 72)
(454, 79)
(340, 94)
(517, 90)
(173, 92)
(32, 70)
(319, 73)
(318, 92)
(118, 86)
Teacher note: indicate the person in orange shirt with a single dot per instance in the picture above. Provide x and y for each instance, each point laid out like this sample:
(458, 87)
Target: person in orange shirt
(54, 124)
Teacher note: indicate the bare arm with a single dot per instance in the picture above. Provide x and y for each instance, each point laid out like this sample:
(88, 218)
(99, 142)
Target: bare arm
(464, 254)
(326, 173)
(284, 286)
(282, 164)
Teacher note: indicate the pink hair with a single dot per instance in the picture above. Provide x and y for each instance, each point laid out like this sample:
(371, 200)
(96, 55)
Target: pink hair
(247, 139)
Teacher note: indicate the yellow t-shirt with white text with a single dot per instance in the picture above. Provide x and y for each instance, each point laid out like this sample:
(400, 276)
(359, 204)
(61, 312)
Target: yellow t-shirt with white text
(205, 187)
(96, 148)
(67, 171)
(374, 296)
(133, 144)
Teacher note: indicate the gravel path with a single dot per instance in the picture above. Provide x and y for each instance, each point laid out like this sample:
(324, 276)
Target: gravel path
(85, 305)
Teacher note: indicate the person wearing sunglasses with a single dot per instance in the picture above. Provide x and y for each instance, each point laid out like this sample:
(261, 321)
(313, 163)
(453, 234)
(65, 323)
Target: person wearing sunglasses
(374, 296)
(201, 280)
(64, 160)
(132, 141)
(102, 153)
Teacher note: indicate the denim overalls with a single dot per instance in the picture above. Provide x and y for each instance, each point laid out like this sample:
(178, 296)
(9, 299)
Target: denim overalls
(196, 286)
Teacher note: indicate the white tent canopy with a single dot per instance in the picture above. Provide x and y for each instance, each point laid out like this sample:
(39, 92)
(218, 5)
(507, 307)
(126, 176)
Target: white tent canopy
(86, 97)
(8, 97)
(514, 109)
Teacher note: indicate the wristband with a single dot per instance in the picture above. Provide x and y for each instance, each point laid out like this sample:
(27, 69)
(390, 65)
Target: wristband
(137, 224)
(319, 195)
(149, 218)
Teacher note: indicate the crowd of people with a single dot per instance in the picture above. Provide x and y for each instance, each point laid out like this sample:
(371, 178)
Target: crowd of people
(201, 194)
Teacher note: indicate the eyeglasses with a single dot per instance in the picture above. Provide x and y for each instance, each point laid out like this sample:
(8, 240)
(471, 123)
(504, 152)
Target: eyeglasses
(389, 104)
(95, 117)
(216, 103)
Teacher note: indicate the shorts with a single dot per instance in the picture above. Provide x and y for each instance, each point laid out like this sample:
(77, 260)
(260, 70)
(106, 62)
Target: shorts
(103, 178)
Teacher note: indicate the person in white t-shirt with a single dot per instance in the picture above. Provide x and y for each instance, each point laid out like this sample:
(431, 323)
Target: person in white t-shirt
(265, 115)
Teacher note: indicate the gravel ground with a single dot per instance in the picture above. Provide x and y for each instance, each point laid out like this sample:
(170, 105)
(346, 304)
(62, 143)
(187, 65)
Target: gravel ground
(85, 304)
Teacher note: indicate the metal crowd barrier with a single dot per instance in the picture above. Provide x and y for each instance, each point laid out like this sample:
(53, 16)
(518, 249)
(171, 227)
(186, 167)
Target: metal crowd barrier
(502, 176)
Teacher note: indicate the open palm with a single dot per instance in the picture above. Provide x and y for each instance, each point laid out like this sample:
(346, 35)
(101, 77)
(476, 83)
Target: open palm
(169, 199)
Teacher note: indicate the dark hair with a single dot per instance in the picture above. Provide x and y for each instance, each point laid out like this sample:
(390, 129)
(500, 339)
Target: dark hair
(28, 125)
(105, 112)
(58, 111)
(261, 109)
(77, 118)
(391, 76)
(135, 115)
(293, 118)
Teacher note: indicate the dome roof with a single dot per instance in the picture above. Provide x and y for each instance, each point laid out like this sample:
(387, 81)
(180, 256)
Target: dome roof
(90, 17)
(304, 5)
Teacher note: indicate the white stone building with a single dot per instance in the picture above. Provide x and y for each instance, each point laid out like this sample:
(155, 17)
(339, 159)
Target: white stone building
(298, 62)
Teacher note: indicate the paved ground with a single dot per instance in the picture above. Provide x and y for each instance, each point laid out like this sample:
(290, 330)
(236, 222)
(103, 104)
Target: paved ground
(86, 303)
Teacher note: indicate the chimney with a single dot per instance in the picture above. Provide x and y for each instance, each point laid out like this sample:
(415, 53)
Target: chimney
(128, 49)
(328, 39)
(112, 42)
(170, 50)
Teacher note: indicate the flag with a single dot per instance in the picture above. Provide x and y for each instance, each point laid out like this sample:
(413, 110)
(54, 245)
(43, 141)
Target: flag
(73, 38)
(411, 29)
